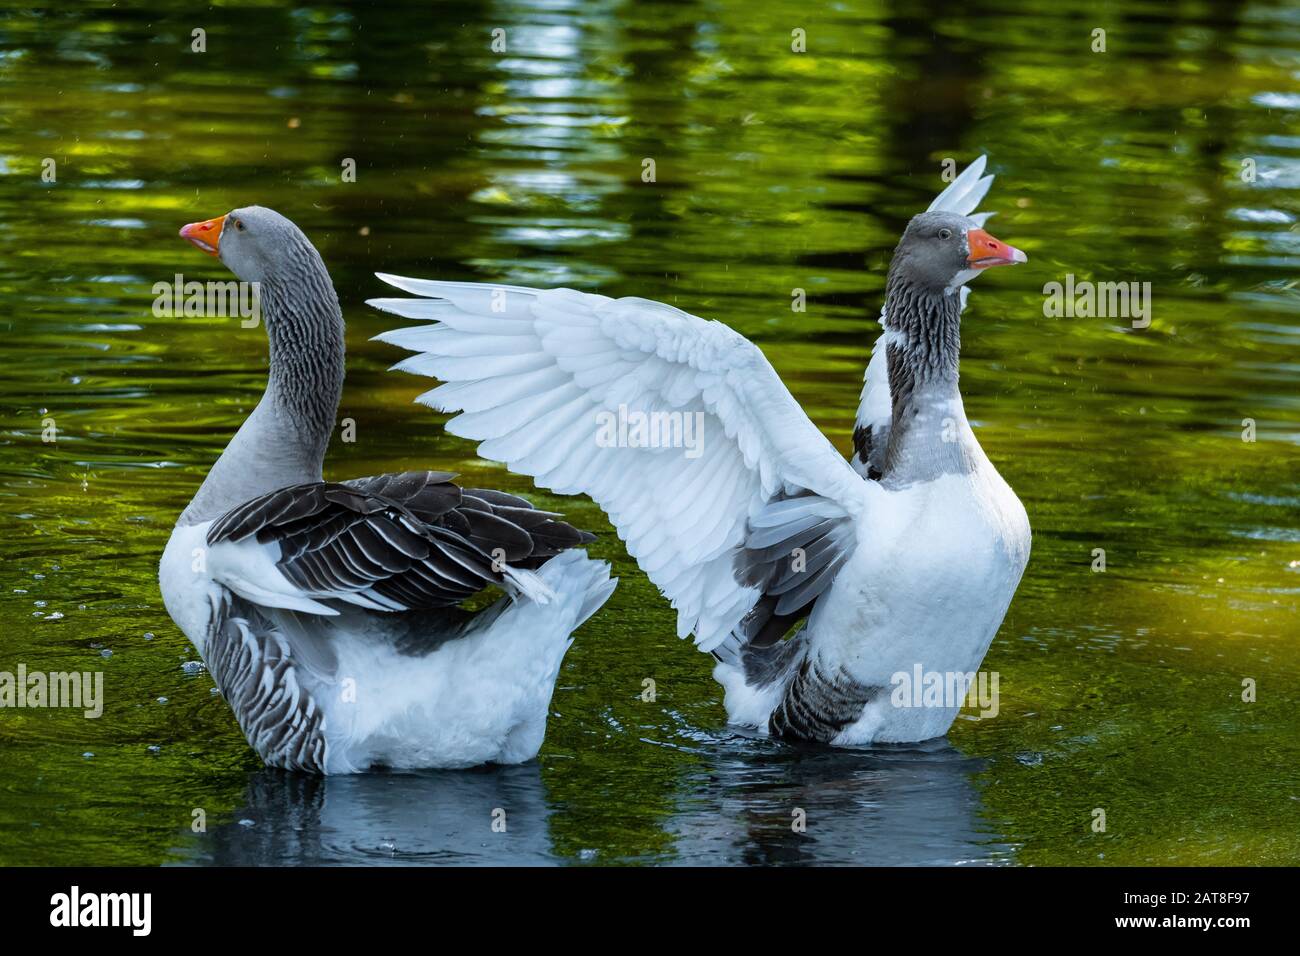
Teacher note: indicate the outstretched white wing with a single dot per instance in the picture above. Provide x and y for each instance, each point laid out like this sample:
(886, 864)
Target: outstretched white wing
(677, 427)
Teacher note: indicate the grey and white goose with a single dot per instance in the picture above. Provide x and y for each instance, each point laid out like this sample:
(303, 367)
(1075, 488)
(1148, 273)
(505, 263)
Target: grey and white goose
(907, 558)
(327, 611)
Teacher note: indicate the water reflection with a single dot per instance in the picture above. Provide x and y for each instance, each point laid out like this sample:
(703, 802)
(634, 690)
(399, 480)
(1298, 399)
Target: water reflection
(884, 807)
(291, 819)
(749, 802)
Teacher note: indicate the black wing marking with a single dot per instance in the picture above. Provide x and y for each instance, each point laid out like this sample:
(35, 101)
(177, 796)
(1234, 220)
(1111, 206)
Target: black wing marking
(793, 550)
(869, 445)
(793, 564)
(404, 541)
(818, 704)
(253, 666)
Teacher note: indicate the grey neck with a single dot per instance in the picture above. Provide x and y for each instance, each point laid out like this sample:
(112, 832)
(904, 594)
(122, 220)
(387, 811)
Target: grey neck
(283, 442)
(304, 328)
(929, 435)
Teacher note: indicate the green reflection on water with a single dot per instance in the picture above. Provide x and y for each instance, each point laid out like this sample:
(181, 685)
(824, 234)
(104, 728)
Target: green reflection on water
(775, 171)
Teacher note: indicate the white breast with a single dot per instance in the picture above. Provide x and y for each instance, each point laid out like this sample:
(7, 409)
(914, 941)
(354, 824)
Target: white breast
(188, 590)
(935, 571)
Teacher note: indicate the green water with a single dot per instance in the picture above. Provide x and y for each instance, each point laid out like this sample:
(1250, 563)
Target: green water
(1120, 690)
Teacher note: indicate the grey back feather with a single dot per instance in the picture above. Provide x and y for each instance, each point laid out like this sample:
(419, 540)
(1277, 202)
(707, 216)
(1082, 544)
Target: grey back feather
(255, 671)
(404, 541)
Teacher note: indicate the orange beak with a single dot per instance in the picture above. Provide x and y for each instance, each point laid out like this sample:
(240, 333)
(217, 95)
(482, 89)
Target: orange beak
(986, 251)
(205, 235)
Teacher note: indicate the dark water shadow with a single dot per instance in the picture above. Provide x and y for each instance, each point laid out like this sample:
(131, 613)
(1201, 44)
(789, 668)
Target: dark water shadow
(434, 818)
(761, 802)
(751, 801)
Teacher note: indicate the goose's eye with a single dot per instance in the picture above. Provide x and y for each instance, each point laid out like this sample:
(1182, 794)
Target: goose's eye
(943, 233)
(239, 225)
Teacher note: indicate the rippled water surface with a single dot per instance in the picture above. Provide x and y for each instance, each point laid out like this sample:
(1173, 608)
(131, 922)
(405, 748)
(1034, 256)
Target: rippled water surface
(775, 171)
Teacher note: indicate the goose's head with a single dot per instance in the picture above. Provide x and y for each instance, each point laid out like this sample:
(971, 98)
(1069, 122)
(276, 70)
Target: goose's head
(256, 244)
(941, 251)
(292, 293)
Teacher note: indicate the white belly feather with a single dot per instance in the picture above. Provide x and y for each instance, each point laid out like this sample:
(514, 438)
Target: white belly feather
(929, 585)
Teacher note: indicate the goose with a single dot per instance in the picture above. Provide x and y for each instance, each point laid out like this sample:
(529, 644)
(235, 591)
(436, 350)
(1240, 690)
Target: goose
(328, 612)
(821, 586)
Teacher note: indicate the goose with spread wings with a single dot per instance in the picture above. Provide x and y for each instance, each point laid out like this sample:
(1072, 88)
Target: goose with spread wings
(329, 612)
(817, 583)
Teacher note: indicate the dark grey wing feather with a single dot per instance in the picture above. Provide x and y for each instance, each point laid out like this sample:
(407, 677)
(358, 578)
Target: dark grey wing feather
(793, 562)
(793, 551)
(549, 535)
(489, 531)
(819, 703)
(405, 541)
(253, 666)
(869, 445)
(427, 494)
(501, 499)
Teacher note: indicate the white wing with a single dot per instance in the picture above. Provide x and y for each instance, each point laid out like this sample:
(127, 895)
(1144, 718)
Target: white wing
(962, 196)
(546, 379)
